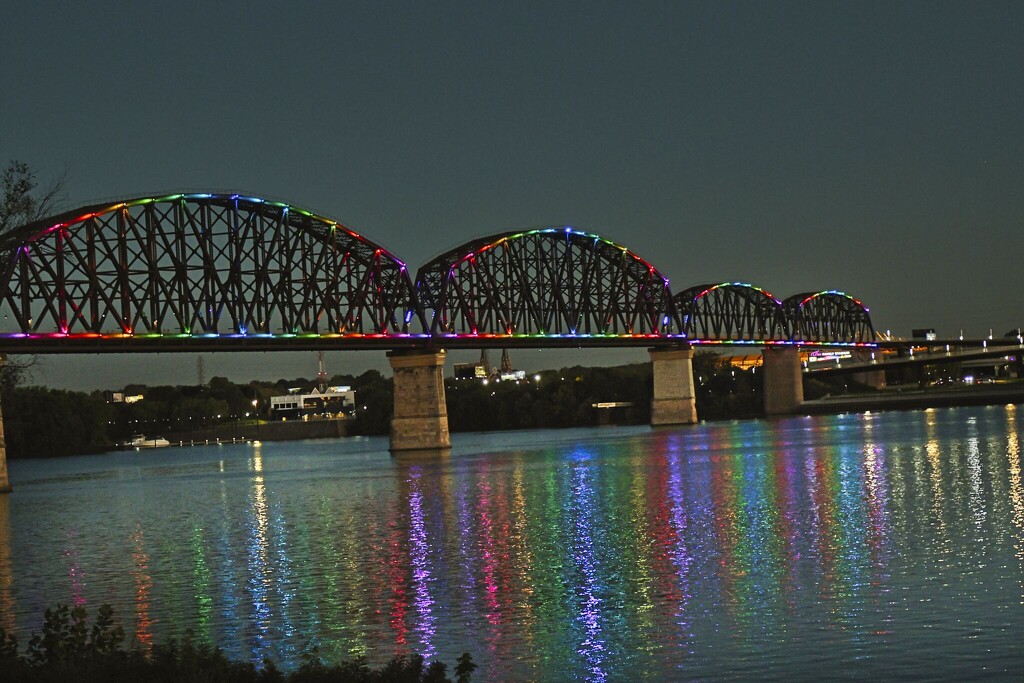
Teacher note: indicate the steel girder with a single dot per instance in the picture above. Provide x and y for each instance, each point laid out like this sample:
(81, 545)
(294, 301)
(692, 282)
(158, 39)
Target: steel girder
(730, 311)
(829, 316)
(545, 282)
(201, 264)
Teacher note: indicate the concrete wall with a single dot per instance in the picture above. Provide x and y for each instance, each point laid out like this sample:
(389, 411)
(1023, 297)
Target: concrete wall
(420, 420)
(674, 401)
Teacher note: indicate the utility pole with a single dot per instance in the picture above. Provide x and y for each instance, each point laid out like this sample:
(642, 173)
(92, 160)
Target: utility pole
(321, 374)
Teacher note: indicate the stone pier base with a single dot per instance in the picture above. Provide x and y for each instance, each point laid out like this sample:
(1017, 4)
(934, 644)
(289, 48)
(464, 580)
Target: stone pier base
(5, 483)
(783, 380)
(420, 421)
(674, 400)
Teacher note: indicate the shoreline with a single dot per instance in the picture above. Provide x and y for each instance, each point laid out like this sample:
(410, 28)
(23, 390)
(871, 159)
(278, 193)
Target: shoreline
(292, 430)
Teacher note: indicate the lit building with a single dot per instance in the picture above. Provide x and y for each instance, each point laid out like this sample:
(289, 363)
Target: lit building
(332, 402)
(481, 370)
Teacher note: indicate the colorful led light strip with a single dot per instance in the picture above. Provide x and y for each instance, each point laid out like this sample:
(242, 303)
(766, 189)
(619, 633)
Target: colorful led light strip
(738, 284)
(212, 335)
(834, 292)
(406, 335)
(142, 201)
(778, 342)
(567, 229)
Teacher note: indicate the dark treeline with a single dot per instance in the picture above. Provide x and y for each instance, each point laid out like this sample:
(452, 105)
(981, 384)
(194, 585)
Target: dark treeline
(567, 397)
(42, 422)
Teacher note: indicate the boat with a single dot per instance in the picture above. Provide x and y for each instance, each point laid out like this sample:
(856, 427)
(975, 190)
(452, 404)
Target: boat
(139, 441)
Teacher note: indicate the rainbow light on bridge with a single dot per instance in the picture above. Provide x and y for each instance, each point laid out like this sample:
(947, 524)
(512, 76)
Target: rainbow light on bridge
(213, 335)
(142, 201)
(568, 230)
(745, 285)
(834, 292)
(647, 337)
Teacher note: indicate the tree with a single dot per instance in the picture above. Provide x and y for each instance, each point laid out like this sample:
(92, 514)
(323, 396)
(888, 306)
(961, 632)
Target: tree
(14, 373)
(21, 203)
(42, 422)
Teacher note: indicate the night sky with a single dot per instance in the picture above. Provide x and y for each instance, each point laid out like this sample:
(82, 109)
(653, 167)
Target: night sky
(874, 148)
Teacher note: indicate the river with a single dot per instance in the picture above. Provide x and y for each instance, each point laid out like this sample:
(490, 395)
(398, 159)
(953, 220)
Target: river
(886, 545)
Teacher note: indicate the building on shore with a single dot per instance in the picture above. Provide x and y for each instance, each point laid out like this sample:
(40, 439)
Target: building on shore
(481, 370)
(332, 402)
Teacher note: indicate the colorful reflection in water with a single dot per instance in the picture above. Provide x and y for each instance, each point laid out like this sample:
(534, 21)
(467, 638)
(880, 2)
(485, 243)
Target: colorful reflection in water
(884, 544)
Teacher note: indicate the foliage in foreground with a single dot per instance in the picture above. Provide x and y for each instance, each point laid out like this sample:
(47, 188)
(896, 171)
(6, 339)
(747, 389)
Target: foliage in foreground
(69, 649)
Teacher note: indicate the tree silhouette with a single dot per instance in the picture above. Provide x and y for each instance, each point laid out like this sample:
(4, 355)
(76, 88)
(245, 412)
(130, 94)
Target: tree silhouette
(22, 200)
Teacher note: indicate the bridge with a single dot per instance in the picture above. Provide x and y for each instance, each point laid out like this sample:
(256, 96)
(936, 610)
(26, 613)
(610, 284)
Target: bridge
(917, 353)
(230, 272)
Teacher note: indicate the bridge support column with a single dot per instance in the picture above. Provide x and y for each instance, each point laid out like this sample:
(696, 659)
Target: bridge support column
(783, 380)
(5, 483)
(872, 378)
(674, 400)
(420, 420)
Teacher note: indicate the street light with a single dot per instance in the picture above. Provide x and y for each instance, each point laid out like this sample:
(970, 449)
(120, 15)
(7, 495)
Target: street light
(255, 403)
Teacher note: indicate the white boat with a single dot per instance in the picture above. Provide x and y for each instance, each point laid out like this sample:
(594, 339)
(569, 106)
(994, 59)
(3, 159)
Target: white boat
(142, 441)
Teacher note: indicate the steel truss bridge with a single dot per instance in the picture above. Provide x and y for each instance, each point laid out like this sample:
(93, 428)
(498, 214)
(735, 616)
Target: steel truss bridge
(202, 271)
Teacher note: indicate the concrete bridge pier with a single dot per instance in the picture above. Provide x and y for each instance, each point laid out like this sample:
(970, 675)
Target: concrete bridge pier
(420, 419)
(674, 400)
(5, 483)
(872, 378)
(783, 380)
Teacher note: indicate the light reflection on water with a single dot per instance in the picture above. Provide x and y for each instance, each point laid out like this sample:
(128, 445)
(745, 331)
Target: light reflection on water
(884, 544)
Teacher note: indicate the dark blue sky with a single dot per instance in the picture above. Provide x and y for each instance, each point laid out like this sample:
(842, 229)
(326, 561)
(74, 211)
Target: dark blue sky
(876, 148)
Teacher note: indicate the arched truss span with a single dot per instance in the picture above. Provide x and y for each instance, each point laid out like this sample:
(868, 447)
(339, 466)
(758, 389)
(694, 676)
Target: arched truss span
(828, 317)
(544, 282)
(730, 311)
(201, 265)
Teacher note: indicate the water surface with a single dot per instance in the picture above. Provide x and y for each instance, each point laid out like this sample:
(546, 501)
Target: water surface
(885, 545)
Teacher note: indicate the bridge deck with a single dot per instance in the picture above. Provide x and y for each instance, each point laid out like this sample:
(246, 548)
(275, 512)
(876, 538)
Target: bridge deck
(69, 344)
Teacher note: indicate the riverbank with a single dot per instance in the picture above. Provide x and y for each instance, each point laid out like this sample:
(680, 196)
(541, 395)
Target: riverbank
(903, 398)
